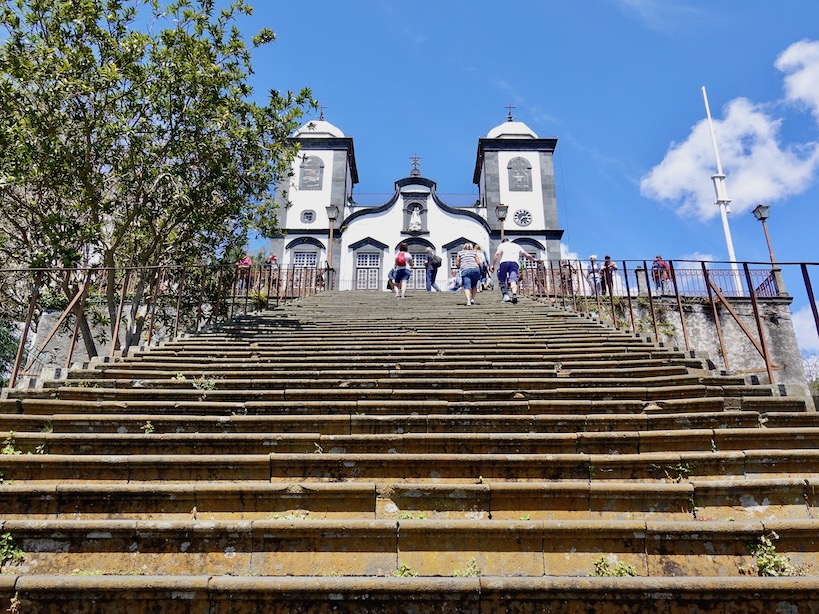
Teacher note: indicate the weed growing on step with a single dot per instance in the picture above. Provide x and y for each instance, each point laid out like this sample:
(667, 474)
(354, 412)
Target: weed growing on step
(9, 445)
(179, 377)
(10, 553)
(48, 427)
(604, 568)
(148, 428)
(411, 516)
(673, 473)
(404, 571)
(525, 517)
(768, 561)
(204, 383)
(470, 571)
(15, 604)
(319, 449)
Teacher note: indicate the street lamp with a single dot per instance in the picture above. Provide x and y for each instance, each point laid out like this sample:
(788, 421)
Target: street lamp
(761, 213)
(501, 210)
(332, 215)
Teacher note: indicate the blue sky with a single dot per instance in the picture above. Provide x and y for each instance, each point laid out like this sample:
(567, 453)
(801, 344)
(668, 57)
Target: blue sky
(618, 82)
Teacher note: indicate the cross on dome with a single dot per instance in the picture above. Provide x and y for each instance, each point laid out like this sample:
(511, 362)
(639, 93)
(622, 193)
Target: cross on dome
(509, 115)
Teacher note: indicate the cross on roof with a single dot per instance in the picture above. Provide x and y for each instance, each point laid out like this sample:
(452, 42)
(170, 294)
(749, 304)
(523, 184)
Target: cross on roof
(321, 112)
(415, 161)
(509, 116)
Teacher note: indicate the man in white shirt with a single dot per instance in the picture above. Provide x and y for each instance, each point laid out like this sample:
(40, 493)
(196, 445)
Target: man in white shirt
(509, 254)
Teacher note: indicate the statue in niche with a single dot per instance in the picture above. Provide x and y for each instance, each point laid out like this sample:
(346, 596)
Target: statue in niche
(520, 175)
(415, 223)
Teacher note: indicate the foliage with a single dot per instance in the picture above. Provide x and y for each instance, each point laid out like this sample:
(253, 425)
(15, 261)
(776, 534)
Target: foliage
(10, 445)
(148, 428)
(8, 349)
(602, 567)
(768, 561)
(404, 571)
(470, 571)
(130, 136)
(204, 383)
(9, 551)
(810, 361)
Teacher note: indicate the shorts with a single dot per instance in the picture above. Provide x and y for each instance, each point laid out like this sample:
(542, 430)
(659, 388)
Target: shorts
(402, 275)
(508, 272)
(471, 278)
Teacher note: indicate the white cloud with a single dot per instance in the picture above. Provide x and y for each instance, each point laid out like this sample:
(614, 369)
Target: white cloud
(805, 328)
(757, 166)
(698, 256)
(800, 63)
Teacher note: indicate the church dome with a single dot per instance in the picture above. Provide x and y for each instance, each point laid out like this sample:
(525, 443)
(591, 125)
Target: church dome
(318, 128)
(511, 130)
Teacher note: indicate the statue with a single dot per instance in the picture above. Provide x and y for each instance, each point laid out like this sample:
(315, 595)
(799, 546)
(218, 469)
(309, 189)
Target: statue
(415, 224)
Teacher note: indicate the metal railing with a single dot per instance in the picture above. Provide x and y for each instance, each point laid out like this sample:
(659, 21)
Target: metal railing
(109, 311)
(614, 295)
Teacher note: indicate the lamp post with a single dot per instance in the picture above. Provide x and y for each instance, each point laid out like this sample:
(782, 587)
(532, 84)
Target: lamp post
(332, 215)
(761, 213)
(501, 210)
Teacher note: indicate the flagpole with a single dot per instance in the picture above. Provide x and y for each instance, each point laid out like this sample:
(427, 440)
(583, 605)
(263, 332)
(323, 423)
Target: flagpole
(723, 202)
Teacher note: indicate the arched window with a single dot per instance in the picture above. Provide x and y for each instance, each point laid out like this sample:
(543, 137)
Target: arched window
(520, 175)
(311, 174)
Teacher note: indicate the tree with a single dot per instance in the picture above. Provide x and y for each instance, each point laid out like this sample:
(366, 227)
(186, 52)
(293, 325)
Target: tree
(129, 135)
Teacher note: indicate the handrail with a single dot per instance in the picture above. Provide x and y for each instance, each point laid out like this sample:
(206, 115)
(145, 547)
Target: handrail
(149, 302)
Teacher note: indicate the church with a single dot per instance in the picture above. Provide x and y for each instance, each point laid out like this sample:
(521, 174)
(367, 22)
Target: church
(322, 225)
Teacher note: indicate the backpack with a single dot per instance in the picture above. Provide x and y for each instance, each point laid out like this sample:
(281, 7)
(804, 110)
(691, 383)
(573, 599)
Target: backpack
(401, 259)
(436, 261)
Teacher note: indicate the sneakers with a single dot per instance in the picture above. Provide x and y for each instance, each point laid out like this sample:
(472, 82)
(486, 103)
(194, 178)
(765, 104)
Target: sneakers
(472, 302)
(506, 299)
(514, 299)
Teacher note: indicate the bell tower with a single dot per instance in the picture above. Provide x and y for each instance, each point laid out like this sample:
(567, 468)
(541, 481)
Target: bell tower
(515, 168)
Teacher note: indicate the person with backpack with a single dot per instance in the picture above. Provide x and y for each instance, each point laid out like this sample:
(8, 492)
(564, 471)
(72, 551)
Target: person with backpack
(434, 262)
(660, 274)
(403, 270)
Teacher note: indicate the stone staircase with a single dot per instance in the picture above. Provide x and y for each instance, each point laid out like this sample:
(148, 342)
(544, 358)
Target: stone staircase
(354, 452)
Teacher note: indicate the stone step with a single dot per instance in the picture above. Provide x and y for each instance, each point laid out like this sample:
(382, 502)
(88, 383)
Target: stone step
(430, 547)
(435, 468)
(451, 442)
(224, 594)
(39, 418)
(397, 389)
(737, 500)
(356, 402)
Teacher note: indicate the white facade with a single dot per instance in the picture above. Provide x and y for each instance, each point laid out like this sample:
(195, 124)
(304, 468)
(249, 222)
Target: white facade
(513, 167)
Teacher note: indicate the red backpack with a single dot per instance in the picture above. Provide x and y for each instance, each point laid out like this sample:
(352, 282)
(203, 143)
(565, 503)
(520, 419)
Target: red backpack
(401, 259)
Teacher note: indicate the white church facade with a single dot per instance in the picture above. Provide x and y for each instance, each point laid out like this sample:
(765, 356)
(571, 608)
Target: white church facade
(323, 225)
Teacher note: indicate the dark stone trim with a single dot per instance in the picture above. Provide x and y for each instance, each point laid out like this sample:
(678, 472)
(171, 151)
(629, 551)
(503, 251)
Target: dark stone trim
(415, 241)
(369, 241)
(305, 241)
(332, 143)
(457, 243)
(370, 210)
(530, 145)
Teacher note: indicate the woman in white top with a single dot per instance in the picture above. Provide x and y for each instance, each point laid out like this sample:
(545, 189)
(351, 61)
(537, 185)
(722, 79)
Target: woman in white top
(469, 262)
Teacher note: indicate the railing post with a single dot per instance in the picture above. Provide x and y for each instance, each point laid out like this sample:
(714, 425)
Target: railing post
(716, 316)
(179, 301)
(628, 294)
(32, 304)
(679, 305)
(160, 276)
(115, 334)
(651, 306)
(765, 355)
(809, 290)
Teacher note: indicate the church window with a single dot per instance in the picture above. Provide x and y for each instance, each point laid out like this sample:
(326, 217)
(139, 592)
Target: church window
(308, 217)
(305, 259)
(520, 175)
(311, 173)
(368, 268)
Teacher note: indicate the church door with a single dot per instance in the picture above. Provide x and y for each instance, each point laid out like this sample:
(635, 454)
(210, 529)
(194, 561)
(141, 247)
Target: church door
(418, 280)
